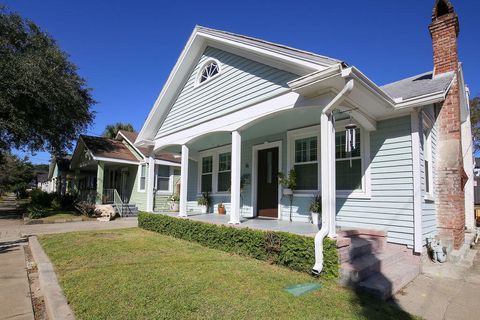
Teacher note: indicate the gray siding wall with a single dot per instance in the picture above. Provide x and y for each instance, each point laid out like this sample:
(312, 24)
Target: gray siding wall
(241, 83)
(391, 205)
(429, 216)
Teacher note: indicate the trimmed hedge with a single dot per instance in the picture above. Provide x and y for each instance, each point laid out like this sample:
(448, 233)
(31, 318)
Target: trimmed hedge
(286, 249)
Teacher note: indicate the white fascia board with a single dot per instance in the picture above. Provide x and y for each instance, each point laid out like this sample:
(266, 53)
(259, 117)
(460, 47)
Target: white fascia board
(194, 47)
(314, 77)
(231, 122)
(133, 145)
(368, 84)
(168, 163)
(115, 160)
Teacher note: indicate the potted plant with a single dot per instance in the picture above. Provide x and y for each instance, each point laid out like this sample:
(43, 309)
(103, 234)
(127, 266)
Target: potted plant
(204, 202)
(174, 200)
(221, 208)
(316, 210)
(289, 184)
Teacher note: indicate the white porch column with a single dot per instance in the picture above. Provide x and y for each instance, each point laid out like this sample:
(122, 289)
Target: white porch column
(184, 182)
(235, 176)
(150, 183)
(327, 137)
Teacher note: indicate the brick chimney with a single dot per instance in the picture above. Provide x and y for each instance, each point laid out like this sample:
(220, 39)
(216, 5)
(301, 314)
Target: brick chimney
(450, 180)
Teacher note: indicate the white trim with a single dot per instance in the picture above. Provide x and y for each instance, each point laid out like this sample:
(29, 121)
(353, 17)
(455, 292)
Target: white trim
(184, 182)
(168, 163)
(255, 149)
(131, 143)
(139, 175)
(236, 170)
(427, 125)
(365, 192)
(417, 184)
(115, 160)
(169, 191)
(150, 182)
(197, 82)
(214, 153)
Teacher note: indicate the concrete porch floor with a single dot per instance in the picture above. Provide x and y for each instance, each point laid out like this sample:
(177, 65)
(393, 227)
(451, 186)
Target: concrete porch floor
(301, 228)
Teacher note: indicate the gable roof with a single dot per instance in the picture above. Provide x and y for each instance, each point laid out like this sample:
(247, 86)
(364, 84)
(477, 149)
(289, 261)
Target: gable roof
(146, 151)
(279, 56)
(108, 148)
(419, 85)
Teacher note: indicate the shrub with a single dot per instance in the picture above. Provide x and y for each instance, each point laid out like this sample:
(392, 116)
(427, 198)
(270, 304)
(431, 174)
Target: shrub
(41, 198)
(86, 208)
(290, 250)
(35, 212)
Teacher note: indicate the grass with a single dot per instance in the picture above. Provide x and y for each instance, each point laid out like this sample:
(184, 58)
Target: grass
(55, 214)
(137, 274)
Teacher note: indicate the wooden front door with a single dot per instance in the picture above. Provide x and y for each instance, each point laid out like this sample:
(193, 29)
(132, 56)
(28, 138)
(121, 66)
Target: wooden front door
(267, 183)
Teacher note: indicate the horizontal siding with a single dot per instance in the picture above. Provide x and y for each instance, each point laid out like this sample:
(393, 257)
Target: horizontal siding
(391, 205)
(429, 216)
(240, 83)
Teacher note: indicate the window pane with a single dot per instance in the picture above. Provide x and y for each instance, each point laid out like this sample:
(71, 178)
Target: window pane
(307, 176)
(224, 180)
(162, 183)
(427, 178)
(207, 164)
(163, 171)
(143, 170)
(306, 150)
(142, 183)
(340, 152)
(349, 178)
(224, 161)
(206, 183)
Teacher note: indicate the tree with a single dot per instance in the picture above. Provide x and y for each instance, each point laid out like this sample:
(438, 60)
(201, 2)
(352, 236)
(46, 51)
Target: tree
(475, 119)
(44, 103)
(15, 173)
(111, 130)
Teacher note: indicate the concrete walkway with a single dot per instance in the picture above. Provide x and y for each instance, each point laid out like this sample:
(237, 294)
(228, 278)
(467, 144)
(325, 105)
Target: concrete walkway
(450, 293)
(14, 287)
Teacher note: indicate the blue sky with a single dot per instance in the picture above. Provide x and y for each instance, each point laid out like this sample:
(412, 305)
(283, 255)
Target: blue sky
(126, 49)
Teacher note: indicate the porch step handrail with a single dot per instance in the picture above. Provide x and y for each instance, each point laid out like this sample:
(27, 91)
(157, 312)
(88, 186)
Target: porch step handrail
(117, 200)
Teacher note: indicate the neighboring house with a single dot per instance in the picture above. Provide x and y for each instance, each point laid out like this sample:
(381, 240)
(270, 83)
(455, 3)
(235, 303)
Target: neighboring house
(114, 171)
(60, 176)
(240, 109)
(41, 181)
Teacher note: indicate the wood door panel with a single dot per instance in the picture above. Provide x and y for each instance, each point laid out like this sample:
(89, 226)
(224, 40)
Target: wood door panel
(267, 183)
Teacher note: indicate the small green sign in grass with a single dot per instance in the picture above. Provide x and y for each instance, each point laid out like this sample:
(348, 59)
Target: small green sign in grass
(303, 288)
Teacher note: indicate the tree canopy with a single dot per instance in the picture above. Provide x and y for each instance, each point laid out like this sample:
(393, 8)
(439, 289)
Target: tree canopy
(44, 103)
(111, 130)
(475, 119)
(15, 173)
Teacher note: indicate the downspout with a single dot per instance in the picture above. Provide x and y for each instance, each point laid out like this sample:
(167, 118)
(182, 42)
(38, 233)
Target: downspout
(327, 218)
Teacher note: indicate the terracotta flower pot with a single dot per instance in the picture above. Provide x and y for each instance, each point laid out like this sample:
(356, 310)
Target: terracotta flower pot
(221, 210)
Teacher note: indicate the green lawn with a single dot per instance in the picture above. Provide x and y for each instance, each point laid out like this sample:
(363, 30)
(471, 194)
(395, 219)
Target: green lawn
(53, 214)
(137, 274)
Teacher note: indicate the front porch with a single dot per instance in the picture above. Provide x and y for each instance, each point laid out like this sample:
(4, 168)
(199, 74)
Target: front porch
(300, 228)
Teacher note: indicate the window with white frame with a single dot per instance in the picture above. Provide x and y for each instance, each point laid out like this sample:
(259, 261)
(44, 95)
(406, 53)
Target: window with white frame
(208, 71)
(348, 168)
(142, 177)
(162, 181)
(427, 157)
(306, 163)
(224, 171)
(352, 173)
(207, 174)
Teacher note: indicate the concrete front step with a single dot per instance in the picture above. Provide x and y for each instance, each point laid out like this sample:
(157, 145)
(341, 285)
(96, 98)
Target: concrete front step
(356, 247)
(393, 278)
(361, 267)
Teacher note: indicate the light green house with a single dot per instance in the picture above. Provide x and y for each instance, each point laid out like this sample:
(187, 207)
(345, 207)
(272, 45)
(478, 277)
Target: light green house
(114, 171)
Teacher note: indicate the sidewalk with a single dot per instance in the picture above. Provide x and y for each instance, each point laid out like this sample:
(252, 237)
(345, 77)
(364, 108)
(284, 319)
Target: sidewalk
(453, 295)
(14, 287)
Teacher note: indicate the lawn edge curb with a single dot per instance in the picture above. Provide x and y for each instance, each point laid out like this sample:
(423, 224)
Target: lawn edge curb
(55, 301)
